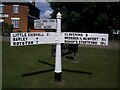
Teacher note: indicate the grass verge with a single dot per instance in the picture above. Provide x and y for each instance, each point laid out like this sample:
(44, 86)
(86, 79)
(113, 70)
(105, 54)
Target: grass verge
(16, 61)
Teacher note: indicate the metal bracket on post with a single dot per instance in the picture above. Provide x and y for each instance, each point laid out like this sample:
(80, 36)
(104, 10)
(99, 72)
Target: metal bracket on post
(58, 65)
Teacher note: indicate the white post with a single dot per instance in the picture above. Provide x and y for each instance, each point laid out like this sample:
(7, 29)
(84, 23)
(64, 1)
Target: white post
(58, 65)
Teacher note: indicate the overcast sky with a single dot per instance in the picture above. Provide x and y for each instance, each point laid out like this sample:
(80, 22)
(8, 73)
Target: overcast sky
(45, 9)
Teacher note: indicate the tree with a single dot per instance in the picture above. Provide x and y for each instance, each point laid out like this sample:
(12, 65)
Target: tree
(88, 16)
(8, 28)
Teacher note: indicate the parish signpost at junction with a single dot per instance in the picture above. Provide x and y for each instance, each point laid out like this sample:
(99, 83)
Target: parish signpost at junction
(58, 37)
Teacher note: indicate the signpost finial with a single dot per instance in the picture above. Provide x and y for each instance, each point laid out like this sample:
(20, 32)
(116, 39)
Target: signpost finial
(59, 15)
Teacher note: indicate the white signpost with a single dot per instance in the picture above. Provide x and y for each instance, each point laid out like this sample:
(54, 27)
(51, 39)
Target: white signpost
(85, 38)
(58, 37)
(45, 24)
(32, 38)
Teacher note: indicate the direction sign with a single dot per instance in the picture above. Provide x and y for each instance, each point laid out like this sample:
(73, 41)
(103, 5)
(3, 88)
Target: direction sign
(32, 38)
(85, 38)
(45, 24)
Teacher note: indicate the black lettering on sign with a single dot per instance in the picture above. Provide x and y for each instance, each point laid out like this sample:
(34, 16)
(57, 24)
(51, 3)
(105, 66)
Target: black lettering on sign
(23, 35)
(66, 37)
(66, 34)
(103, 39)
(45, 27)
(80, 38)
(36, 38)
(65, 41)
(51, 20)
(25, 39)
(13, 39)
(31, 42)
(22, 43)
(84, 38)
(44, 20)
(81, 34)
(102, 43)
(88, 42)
(70, 34)
(17, 43)
(48, 26)
(80, 42)
(94, 43)
(26, 43)
(97, 39)
(18, 39)
(48, 34)
(36, 42)
(13, 35)
(73, 42)
(76, 42)
(86, 35)
(14, 43)
(89, 38)
(73, 38)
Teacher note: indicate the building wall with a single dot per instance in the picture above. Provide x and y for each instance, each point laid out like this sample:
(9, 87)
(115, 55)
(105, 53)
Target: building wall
(23, 15)
(27, 14)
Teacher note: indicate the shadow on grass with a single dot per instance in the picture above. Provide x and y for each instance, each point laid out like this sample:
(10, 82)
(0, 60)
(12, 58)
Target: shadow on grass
(46, 63)
(37, 72)
(49, 70)
(75, 71)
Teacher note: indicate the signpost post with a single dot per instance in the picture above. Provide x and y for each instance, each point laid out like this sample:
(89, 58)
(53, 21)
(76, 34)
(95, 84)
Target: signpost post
(58, 65)
(58, 37)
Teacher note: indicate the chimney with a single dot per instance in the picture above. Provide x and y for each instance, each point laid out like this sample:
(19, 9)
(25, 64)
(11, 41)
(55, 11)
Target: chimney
(33, 2)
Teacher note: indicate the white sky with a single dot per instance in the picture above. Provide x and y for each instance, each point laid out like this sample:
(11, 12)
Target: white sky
(45, 9)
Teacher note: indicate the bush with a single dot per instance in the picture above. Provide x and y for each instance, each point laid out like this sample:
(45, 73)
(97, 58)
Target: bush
(8, 28)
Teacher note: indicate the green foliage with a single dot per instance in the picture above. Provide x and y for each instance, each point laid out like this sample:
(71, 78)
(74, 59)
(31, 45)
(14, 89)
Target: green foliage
(8, 28)
(88, 16)
(103, 18)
